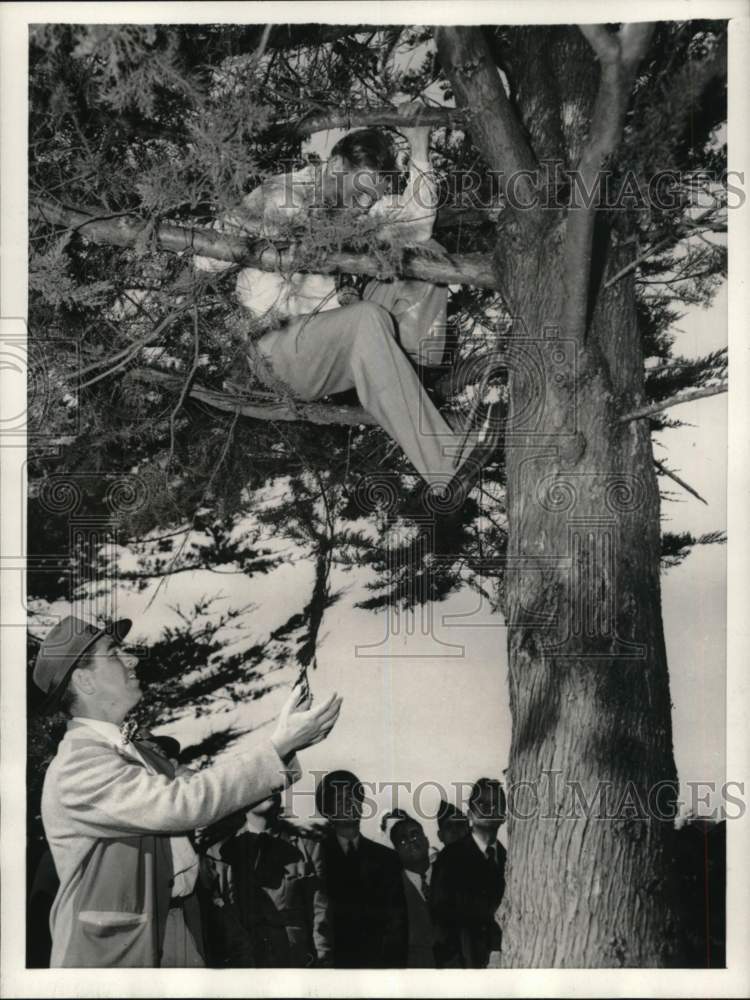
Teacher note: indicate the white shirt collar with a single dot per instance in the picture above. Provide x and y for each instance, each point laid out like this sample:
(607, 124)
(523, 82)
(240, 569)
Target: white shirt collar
(112, 734)
(481, 845)
(108, 730)
(255, 824)
(344, 843)
(416, 879)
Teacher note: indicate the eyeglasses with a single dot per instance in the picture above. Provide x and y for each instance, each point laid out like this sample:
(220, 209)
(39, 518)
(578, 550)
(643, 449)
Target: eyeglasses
(411, 838)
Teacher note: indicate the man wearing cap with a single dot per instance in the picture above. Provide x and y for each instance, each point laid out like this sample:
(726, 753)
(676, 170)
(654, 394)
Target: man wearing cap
(116, 816)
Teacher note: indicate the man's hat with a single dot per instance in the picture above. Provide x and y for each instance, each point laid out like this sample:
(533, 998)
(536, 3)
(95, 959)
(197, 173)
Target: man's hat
(62, 649)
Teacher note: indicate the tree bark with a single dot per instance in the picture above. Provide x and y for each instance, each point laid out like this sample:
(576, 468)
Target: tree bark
(588, 678)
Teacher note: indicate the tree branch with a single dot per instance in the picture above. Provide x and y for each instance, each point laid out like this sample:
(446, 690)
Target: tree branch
(253, 405)
(683, 397)
(690, 227)
(372, 117)
(619, 54)
(680, 482)
(124, 231)
(494, 125)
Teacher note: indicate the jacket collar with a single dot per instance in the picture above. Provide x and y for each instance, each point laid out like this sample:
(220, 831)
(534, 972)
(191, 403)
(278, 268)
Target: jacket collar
(78, 728)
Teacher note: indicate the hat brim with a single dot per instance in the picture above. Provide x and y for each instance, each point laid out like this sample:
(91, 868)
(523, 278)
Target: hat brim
(117, 629)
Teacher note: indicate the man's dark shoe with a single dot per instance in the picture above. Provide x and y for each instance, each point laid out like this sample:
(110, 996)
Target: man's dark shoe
(446, 500)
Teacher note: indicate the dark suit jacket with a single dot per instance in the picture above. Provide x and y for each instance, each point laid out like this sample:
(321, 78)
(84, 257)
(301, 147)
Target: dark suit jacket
(467, 889)
(368, 906)
(422, 933)
(41, 897)
(277, 890)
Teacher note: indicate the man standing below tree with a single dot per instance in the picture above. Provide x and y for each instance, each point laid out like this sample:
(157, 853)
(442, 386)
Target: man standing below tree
(413, 850)
(364, 884)
(469, 883)
(274, 898)
(117, 817)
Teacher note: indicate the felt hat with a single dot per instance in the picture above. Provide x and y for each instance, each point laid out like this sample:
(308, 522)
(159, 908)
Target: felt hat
(62, 649)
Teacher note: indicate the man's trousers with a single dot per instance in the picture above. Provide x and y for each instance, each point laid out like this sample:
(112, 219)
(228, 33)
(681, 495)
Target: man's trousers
(357, 347)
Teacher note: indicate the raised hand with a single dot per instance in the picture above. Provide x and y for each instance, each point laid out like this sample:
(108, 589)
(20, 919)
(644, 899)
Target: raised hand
(417, 135)
(299, 725)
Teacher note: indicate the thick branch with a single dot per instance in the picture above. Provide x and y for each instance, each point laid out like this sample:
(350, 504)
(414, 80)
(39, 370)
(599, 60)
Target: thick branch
(619, 54)
(275, 409)
(683, 397)
(372, 117)
(287, 36)
(124, 231)
(495, 127)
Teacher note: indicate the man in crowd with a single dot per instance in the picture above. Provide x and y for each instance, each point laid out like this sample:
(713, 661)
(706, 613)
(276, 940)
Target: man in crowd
(310, 346)
(116, 816)
(270, 883)
(413, 850)
(452, 823)
(469, 882)
(365, 889)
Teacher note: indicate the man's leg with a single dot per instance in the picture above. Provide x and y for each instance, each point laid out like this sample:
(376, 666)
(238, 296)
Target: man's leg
(420, 310)
(355, 347)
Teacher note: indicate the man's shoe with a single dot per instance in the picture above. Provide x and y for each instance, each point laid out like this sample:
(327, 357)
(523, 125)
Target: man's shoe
(445, 500)
(469, 471)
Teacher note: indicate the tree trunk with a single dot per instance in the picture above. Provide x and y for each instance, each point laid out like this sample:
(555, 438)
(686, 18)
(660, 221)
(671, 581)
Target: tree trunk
(587, 886)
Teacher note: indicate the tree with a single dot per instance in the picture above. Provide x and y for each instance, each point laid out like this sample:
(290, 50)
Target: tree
(571, 259)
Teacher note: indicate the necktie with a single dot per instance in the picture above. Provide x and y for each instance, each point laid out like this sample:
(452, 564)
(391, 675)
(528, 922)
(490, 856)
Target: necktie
(128, 729)
(425, 887)
(490, 852)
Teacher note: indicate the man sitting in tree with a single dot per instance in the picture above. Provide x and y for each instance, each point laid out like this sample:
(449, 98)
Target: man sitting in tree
(312, 345)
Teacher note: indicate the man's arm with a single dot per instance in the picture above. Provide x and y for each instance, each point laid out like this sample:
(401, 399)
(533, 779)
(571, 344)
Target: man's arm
(444, 903)
(110, 796)
(243, 220)
(396, 930)
(319, 907)
(410, 216)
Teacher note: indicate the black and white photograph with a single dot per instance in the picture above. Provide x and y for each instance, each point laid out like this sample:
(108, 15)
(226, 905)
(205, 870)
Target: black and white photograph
(369, 465)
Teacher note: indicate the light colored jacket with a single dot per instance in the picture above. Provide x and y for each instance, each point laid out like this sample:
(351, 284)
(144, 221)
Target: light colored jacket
(286, 198)
(105, 817)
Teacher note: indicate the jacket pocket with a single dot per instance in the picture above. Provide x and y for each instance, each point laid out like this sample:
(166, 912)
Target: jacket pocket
(106, 922)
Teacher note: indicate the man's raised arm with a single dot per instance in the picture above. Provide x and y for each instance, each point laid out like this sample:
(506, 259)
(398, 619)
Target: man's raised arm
(409, 217)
